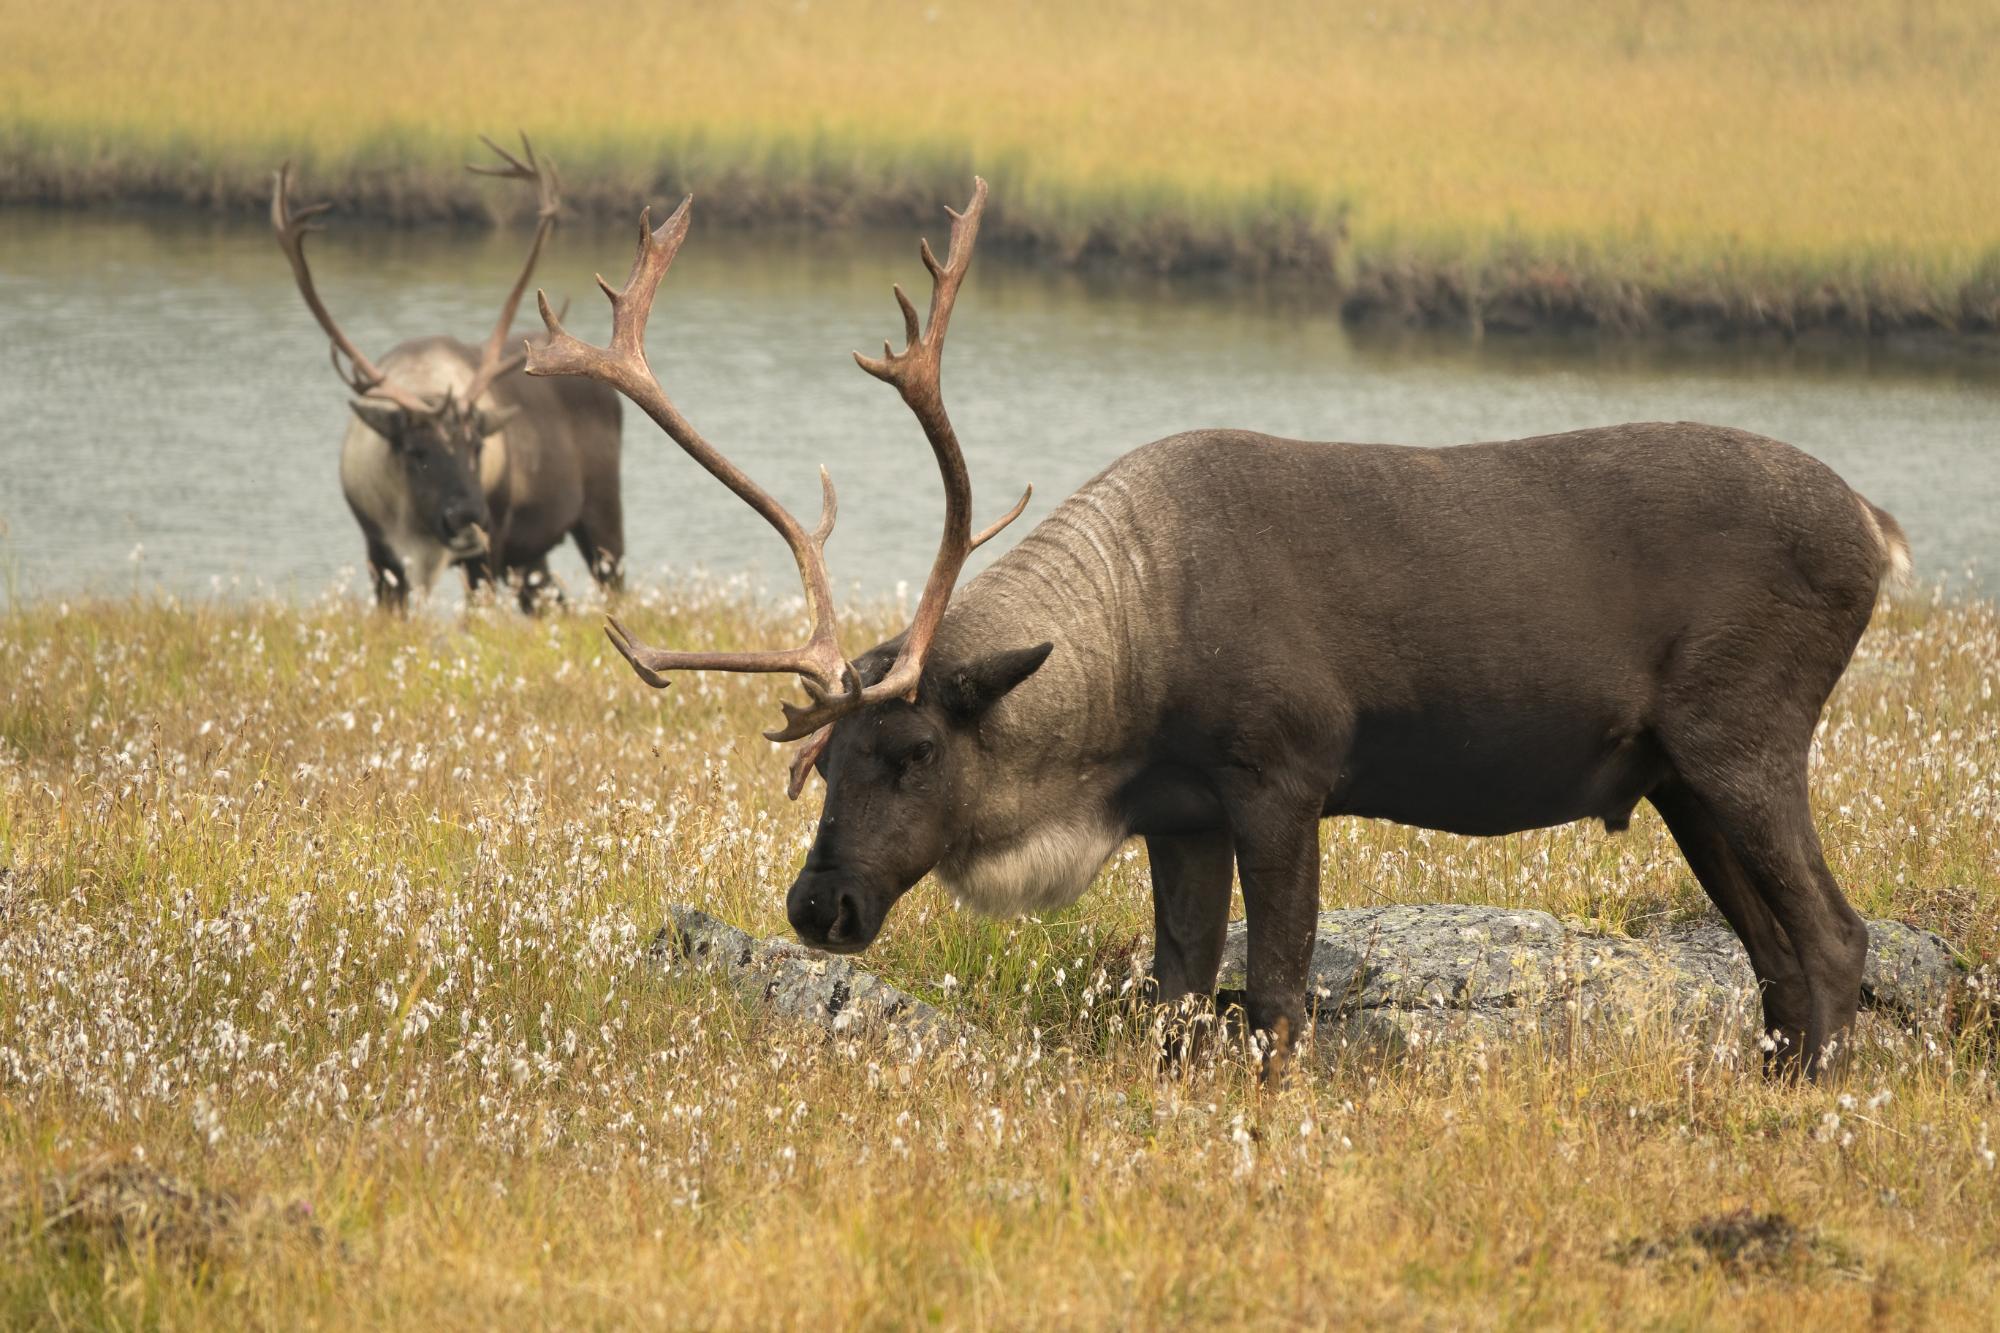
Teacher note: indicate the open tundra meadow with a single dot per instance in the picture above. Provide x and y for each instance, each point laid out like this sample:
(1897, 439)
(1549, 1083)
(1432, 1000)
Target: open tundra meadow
(324, 1001)
(330, 987)
(1491, 163)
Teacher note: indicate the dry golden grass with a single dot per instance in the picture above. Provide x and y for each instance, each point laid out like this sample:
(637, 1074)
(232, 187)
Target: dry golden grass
(1702, 142)
(322, 1001)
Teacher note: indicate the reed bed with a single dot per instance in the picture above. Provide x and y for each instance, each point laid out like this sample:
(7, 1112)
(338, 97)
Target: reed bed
(323, 1000)
(1497, 163)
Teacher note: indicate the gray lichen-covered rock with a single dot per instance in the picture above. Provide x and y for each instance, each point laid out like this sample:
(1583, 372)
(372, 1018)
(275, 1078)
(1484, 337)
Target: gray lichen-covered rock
(1404, 975)
(1910, 971)
(797, 982)
(1443, 970)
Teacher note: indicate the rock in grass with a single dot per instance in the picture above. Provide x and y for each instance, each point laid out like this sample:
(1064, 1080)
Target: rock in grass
(1402, 974)
(796, 982)
(1445, 970)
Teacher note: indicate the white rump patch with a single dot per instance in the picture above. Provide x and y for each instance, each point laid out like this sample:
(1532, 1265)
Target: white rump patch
(1896, 548)
(1046, 868)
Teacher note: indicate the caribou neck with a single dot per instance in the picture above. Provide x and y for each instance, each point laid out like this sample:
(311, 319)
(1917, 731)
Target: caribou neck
(1055, 753)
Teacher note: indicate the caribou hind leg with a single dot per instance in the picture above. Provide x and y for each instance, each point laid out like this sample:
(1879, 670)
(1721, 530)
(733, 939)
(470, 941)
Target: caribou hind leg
(1760, 807)
(1770, 830)
(1737, 724)
(603, 553)
(537, 587)
(1787, 999)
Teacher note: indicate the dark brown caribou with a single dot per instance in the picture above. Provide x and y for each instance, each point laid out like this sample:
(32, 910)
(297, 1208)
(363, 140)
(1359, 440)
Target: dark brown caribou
(453, 456)
(1225, 638)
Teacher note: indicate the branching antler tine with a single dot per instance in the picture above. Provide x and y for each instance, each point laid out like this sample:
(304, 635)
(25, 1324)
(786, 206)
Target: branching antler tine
(551, 195)
(633, 304)
(292, 227)
(802, 720)
(512, 168)
(498, 152)
(629, 648)
(829, 508)
(915, 373)
(882, 367)
(492, 365)
(552, 319)
(804, 761)
(350, 374)
(281, 186)
(651, 664)
(911, 329)
(999, 525)
(623, 363)
(563, 353)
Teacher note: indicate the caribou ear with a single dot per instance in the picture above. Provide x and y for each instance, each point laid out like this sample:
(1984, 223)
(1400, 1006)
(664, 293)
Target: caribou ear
(970, 690)
(494, 420)
(385, 419)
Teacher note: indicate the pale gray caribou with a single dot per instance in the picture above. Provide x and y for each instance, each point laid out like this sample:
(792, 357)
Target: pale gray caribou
(453, 457)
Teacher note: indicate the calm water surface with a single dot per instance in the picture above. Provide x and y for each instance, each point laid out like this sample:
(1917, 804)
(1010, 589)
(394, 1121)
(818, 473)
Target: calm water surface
(168, 419)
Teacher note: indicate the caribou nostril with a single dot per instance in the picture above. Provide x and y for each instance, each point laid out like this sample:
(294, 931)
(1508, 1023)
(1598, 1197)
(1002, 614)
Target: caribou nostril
(844, 919)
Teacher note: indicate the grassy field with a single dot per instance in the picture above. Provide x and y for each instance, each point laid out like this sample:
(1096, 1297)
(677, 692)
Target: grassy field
(1493, 162)
(322, 1002)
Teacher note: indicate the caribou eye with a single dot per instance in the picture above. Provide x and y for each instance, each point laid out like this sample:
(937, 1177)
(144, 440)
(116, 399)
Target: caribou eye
(918, 754)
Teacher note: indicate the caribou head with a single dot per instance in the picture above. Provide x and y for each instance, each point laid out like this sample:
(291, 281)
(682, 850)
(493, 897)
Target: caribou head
(891, 733)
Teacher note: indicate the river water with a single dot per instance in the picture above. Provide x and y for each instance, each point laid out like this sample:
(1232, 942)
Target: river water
(168, 419)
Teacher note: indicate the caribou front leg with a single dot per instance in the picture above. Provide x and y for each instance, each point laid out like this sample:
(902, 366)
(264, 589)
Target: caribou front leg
(392, 583)
(1277, 855)
(1191, 877)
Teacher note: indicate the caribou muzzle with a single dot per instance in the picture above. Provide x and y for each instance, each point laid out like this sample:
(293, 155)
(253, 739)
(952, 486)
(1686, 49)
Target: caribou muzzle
(835, 911)
(465, 536)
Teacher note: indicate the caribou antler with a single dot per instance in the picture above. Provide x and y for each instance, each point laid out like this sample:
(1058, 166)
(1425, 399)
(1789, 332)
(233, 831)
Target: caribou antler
(293, 226)
(548, 196)
(915, 373)
(818, 662)
(831, 682)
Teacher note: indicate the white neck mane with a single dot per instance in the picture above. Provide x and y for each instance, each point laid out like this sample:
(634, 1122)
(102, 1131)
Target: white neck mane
(1038, 869)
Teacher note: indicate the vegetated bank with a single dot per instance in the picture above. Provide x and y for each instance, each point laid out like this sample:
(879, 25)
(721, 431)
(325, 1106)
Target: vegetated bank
(1507, 165)
(1509, 283)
